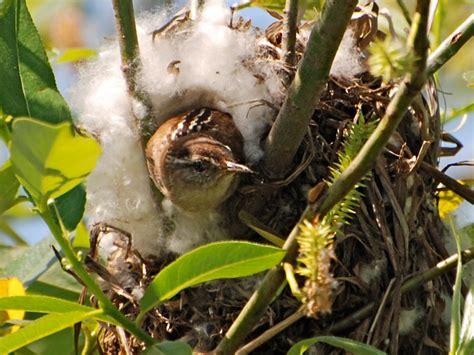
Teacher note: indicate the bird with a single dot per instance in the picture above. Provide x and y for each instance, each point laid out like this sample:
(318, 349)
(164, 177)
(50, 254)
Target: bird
(195, 159)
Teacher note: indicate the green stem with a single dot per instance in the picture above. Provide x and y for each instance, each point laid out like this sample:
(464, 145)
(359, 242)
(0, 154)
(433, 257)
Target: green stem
(451, 45)
(106, 305)
(131, 64)
(290, 25)
(292, 121)
(128, 42)
(409, 88)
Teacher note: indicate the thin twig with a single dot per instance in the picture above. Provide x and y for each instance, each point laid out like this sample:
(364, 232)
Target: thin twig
(290, 25)
(409, 88)
(405, 11)
(451, 45)
(379, 311)
(105, 303)
(462, 190)
(270, 333)
(310, 80)
(409, 285)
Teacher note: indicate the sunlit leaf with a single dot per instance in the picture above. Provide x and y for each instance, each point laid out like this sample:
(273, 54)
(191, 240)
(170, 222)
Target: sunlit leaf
(10, 287)
(49, 160)
(9, 187)
(41, 304)
(221, 260)
(312, 6)
(27, 85)
(349, 345)
(81, 237)
(458, 112)
(44, 326)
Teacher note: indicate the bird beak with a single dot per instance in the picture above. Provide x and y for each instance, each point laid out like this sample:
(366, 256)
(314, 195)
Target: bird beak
(238, 168)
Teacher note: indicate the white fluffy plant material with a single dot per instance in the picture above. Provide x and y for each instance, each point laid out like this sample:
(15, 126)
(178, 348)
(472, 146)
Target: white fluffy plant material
(211, 60)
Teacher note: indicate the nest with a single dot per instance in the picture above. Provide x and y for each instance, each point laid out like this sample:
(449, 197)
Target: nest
(395, 233)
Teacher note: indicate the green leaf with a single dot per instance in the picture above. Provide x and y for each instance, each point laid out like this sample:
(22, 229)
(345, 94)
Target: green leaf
(60, 343)
(455, 327)
(71, 206)
(169, 348)
(31, 262)
(265, 232)
(81, 237)
(55, 282)
(349, 345)
(4, 6)
(458, 112)
(41, 304)
(279, 5)
(76, 55)
(49, 160)
(466, 344)
(9, 187)
(44, 326)
(222, 260)
(27, 85)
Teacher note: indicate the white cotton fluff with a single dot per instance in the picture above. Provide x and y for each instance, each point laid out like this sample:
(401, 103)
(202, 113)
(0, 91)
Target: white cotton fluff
(408, 319)
(348, 61)
(118, 190)
(212, 72)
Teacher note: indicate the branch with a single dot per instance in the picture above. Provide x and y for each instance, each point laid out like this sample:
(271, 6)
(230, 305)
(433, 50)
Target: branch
(410, 285)
(409, 88)
(441, 268)
(310, 80)
(451, 45)
(290, 25)
(462, 190)
(131, 64)
(270, 333)
(128, 42)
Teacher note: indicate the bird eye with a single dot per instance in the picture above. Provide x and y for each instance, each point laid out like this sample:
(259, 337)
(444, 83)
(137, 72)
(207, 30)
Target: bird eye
(199, 166)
